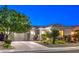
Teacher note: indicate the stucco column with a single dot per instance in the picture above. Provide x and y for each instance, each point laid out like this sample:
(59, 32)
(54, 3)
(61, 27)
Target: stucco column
(40, 35)
(28, 36)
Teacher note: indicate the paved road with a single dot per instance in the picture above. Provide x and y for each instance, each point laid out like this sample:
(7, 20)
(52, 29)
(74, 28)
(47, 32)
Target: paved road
(72, 51)
(45, 51)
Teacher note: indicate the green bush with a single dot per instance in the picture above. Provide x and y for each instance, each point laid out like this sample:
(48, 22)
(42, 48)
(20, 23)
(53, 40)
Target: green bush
(47, 41)
(7, 44)
(7, 41)
(60, 42)
(50, 41)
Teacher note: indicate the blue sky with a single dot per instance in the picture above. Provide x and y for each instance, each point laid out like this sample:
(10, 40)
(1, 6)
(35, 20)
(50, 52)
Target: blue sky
(42, 15)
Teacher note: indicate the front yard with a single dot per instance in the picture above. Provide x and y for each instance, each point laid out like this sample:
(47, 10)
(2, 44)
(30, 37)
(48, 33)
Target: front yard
(58, 43)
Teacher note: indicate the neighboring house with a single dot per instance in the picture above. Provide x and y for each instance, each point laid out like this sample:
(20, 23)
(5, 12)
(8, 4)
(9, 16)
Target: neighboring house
(36, 31)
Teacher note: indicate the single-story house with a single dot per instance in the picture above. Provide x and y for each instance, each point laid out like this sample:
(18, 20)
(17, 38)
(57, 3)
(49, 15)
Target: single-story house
(36, 31)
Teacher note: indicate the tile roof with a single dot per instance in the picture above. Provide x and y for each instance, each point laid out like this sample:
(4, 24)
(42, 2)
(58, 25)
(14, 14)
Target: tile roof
(76, 27)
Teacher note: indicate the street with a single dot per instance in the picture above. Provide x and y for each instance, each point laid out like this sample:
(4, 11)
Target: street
(43, 51)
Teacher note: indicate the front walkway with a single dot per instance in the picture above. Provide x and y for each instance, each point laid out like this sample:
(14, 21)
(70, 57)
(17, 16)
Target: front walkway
(30, 46)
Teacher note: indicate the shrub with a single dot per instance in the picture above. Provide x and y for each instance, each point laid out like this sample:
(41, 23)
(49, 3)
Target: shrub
(7, 41)
(7, 44)
(60, 42)
(49, 41)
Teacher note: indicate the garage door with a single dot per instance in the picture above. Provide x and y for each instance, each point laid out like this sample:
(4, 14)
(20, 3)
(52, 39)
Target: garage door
(20, 37)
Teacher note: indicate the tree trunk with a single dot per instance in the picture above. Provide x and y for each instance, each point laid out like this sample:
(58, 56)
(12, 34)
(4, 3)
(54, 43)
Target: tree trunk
(78, 39)
(54, 40)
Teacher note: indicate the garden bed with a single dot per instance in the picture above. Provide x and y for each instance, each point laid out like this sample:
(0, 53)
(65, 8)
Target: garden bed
(60, 45)
(5, 46)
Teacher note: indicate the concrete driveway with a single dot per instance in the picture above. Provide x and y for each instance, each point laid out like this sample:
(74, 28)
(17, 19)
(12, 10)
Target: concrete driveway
(27, 45)
(24, 46)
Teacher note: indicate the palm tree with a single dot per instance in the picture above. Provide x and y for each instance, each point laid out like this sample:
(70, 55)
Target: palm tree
(54, 34)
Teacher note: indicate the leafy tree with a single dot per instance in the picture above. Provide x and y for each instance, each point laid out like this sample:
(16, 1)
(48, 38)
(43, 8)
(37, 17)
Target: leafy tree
(12, 21)
(54, 34)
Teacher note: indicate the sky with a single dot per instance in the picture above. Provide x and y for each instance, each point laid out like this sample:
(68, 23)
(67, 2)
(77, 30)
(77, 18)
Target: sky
(43, 15)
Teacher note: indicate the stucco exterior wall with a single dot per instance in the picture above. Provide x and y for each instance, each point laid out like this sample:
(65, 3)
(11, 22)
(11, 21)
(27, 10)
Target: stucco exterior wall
(25, 36)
